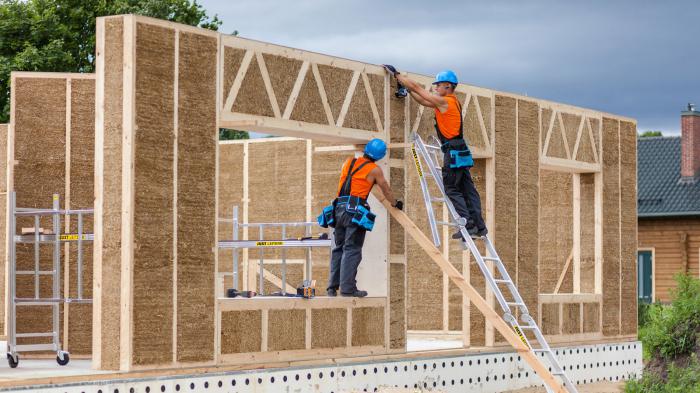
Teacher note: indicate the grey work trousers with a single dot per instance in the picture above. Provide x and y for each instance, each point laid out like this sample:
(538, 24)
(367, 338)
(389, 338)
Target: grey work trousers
(460, 188)
(347, 252)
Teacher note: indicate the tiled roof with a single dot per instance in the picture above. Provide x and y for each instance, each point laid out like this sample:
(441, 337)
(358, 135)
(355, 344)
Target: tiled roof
(660, 190)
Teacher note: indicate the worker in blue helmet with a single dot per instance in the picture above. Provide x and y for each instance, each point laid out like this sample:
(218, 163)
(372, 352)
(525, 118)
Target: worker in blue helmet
(351, 217)
(456, 178)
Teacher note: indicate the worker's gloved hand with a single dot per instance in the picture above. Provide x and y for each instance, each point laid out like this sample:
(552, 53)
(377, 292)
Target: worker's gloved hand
(399, 205)
(390, 69)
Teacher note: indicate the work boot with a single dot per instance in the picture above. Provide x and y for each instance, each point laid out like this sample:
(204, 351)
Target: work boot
(332, 292)
(472, 231)
(357, 293)
(481, 232)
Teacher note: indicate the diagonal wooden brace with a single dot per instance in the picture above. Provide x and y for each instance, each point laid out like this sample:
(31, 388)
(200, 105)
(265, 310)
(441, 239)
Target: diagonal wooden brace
(489, 313)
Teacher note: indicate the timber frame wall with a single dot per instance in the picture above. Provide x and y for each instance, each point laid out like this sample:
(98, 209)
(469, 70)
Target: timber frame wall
(163, 89)
(50, 150)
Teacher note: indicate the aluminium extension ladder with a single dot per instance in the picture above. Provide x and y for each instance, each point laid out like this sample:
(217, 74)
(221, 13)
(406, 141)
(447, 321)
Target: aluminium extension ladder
(430, 154)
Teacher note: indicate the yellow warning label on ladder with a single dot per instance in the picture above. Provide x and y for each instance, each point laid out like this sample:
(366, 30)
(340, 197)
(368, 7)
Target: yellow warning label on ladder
(268, 244)
(520, 334)
(70, 237)
(415, 158)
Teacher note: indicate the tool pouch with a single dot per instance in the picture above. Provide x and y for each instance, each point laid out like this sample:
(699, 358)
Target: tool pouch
(327, 217)
(363, 217)
(461, 159)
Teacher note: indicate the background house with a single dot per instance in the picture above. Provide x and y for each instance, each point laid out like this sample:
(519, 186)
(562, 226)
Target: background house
(668, 208)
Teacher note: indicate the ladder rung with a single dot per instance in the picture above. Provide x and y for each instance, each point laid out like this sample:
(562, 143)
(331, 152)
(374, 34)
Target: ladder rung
(451, 224)
(516, 304)
(485, 258)
(528, 327)
(433, 199)
(500, 281)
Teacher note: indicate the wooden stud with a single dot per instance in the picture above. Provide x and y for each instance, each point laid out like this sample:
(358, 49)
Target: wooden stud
(348, 99)
(248, 267)
(482, 125)
(268, 85)
(322, 93)
(348, 328)
(66, 204)
(175, 184)
(238, 81)
(555, 298)
(372, 103)
(563, 136)
(265, 328)
(594, 145)
(598, 233)
(127, 250)
(295, 90)
(307, 329)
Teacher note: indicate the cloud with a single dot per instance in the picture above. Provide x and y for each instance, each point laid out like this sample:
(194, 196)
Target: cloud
(635, 58)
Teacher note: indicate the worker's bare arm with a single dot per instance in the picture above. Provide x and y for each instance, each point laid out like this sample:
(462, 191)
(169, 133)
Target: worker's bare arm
(430, 100)
(377, 175)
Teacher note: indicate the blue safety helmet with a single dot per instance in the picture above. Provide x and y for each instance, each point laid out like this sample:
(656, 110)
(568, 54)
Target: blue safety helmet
(446, 76)
(376, 149)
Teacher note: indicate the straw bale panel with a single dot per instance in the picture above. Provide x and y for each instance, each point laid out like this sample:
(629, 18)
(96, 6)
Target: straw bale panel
(505, 205)
(252, 96)
(596, 128)
(397, 305)
(111, 193)
(153, 195)
(611, 227)
(232, 62)
(286, 330)
(528, 204)
(308, 106)
(397, 121)
(277, 186)
(241, 331)
(545, 119)
(231, 161)
(329, 328)
(556, 141)
(556, 230)
(282, 71)
(628, 230)
(571, 124)
(587, 233)
(196, 196)
(591, 317)
(585, 148)
(359, 113)
(550, 318)
(82, 159)
(485, 106)
(472, 125)
(477, 322)
(397, 235)
(367, 326)
(454, 294)
(336, 82)
(40, 171)
(572, 318)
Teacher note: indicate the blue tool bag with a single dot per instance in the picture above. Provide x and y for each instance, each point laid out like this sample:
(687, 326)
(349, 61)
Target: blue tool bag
(461, 159)
(327, 217)
(363, 217)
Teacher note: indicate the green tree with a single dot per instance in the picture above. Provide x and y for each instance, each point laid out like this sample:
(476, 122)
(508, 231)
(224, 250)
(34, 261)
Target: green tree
(226, 134)
(646, 134)
(59, 35)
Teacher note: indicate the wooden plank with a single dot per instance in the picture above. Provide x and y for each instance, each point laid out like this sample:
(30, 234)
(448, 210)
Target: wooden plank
(348, 99)
(571, 166)
(268, 84)
(552, 298)
(295, 90)
(175, 210)
(322, 93)
(427, 245)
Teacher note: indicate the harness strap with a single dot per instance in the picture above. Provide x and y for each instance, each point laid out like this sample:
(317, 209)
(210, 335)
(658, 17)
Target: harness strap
(347, 186)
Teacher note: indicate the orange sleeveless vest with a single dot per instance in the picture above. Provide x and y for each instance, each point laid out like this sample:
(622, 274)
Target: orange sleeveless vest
(359, 185)
(449, 123)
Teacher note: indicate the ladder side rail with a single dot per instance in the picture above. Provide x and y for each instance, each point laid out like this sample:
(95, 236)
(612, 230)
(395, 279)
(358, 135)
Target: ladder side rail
(468, 240)
(56, 287)
(427, 199)
(12, 317)
(506, 276)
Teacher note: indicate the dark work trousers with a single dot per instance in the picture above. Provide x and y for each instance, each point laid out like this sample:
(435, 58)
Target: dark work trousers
(347, 252)
(460, 188)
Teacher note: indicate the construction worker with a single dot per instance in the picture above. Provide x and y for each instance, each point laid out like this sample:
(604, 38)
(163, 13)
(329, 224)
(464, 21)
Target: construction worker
(352, 217)
(459, 186)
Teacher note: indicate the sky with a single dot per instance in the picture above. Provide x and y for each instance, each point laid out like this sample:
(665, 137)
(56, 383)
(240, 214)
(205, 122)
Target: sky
(633, 58)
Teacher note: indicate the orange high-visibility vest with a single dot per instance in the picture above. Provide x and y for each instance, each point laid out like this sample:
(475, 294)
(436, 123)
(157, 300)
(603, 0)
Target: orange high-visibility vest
(449, 124)
(359, 185)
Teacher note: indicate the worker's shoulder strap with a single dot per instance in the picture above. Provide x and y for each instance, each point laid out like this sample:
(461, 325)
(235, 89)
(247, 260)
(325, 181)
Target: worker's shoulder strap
(347, 186)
